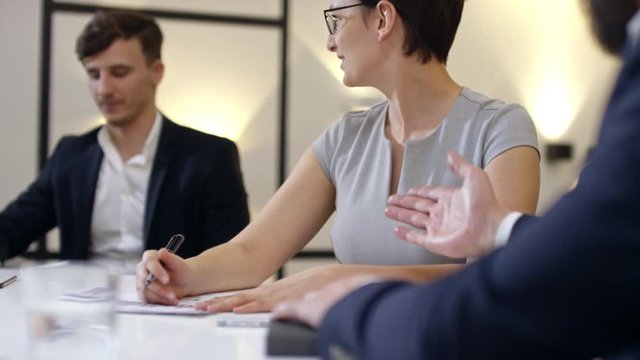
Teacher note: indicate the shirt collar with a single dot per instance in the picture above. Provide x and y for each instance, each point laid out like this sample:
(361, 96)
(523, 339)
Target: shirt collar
(150, 144)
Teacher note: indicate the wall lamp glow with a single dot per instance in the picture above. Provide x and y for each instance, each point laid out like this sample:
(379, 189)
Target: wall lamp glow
(558, 151)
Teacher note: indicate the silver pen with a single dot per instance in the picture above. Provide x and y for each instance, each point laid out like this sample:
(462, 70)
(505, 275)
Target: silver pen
(172, 246)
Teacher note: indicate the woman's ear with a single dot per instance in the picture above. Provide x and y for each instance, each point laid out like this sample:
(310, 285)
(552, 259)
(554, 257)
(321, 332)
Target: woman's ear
(387, 18)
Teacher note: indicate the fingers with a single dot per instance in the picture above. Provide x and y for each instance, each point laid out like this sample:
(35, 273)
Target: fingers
(151, 263)
(287, 310)
(414, 218)
(218, 304)
(157, 291)
(412, 202)
(312, 308)
(159, 294)
(401, 232)
(154, 292)
(422, 195)
(257, 306)
(296, 310)
(423, 239)
(243, 302)
(168, 262)
(418, 237)
(412, 210)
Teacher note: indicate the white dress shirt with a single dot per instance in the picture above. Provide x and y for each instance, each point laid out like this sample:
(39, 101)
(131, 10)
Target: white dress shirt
(504, 230)
(118, 209)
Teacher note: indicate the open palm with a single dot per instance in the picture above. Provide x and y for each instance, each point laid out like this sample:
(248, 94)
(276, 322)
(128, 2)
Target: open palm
(457, 222)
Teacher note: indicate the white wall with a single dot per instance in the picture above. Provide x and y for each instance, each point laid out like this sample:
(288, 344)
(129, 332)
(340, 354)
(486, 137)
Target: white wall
(538, 53)
(19, 39)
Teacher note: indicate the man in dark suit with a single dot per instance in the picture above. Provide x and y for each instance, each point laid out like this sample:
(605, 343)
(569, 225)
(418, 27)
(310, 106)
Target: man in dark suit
(565, 285)
(129, 185)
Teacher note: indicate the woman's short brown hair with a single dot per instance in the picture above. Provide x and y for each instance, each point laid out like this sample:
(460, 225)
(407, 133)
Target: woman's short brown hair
(430, 25)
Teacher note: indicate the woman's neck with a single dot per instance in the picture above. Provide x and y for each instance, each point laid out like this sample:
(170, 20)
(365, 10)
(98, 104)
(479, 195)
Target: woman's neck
(419, 98)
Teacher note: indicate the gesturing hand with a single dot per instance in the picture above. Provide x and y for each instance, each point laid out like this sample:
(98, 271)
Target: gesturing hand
(456, 222)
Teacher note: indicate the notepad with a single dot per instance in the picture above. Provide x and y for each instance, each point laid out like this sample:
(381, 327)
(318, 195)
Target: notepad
(131, 303)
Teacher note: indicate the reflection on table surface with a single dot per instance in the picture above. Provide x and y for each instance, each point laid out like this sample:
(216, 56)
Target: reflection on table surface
(143, 336)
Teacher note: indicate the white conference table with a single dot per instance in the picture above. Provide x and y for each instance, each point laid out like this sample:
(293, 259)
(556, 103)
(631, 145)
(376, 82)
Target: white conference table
(145, 336)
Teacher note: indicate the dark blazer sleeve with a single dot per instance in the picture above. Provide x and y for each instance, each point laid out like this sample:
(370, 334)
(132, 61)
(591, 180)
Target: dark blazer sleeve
(227, 212)
(556, 294)
(196, 189)
(566, 286)
(30, 215)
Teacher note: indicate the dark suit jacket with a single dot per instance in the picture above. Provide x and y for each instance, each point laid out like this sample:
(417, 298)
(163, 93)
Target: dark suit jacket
(566, 286)
(195, 188)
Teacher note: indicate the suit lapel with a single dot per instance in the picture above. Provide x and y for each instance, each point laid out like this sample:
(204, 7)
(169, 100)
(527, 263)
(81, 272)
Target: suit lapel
(164, 153)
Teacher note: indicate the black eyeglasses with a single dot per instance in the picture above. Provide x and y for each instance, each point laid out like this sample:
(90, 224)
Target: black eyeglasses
(332, 21)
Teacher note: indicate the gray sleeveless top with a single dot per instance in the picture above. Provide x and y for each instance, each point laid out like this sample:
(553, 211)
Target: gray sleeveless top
(355, 154)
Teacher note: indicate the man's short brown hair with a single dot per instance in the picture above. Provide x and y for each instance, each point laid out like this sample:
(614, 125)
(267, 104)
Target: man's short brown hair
(107, 26)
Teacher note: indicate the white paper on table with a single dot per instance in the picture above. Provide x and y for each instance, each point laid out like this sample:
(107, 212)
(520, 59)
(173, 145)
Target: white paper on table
(130, 302)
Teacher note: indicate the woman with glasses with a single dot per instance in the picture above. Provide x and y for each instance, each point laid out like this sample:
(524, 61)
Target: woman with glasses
(399, 47)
